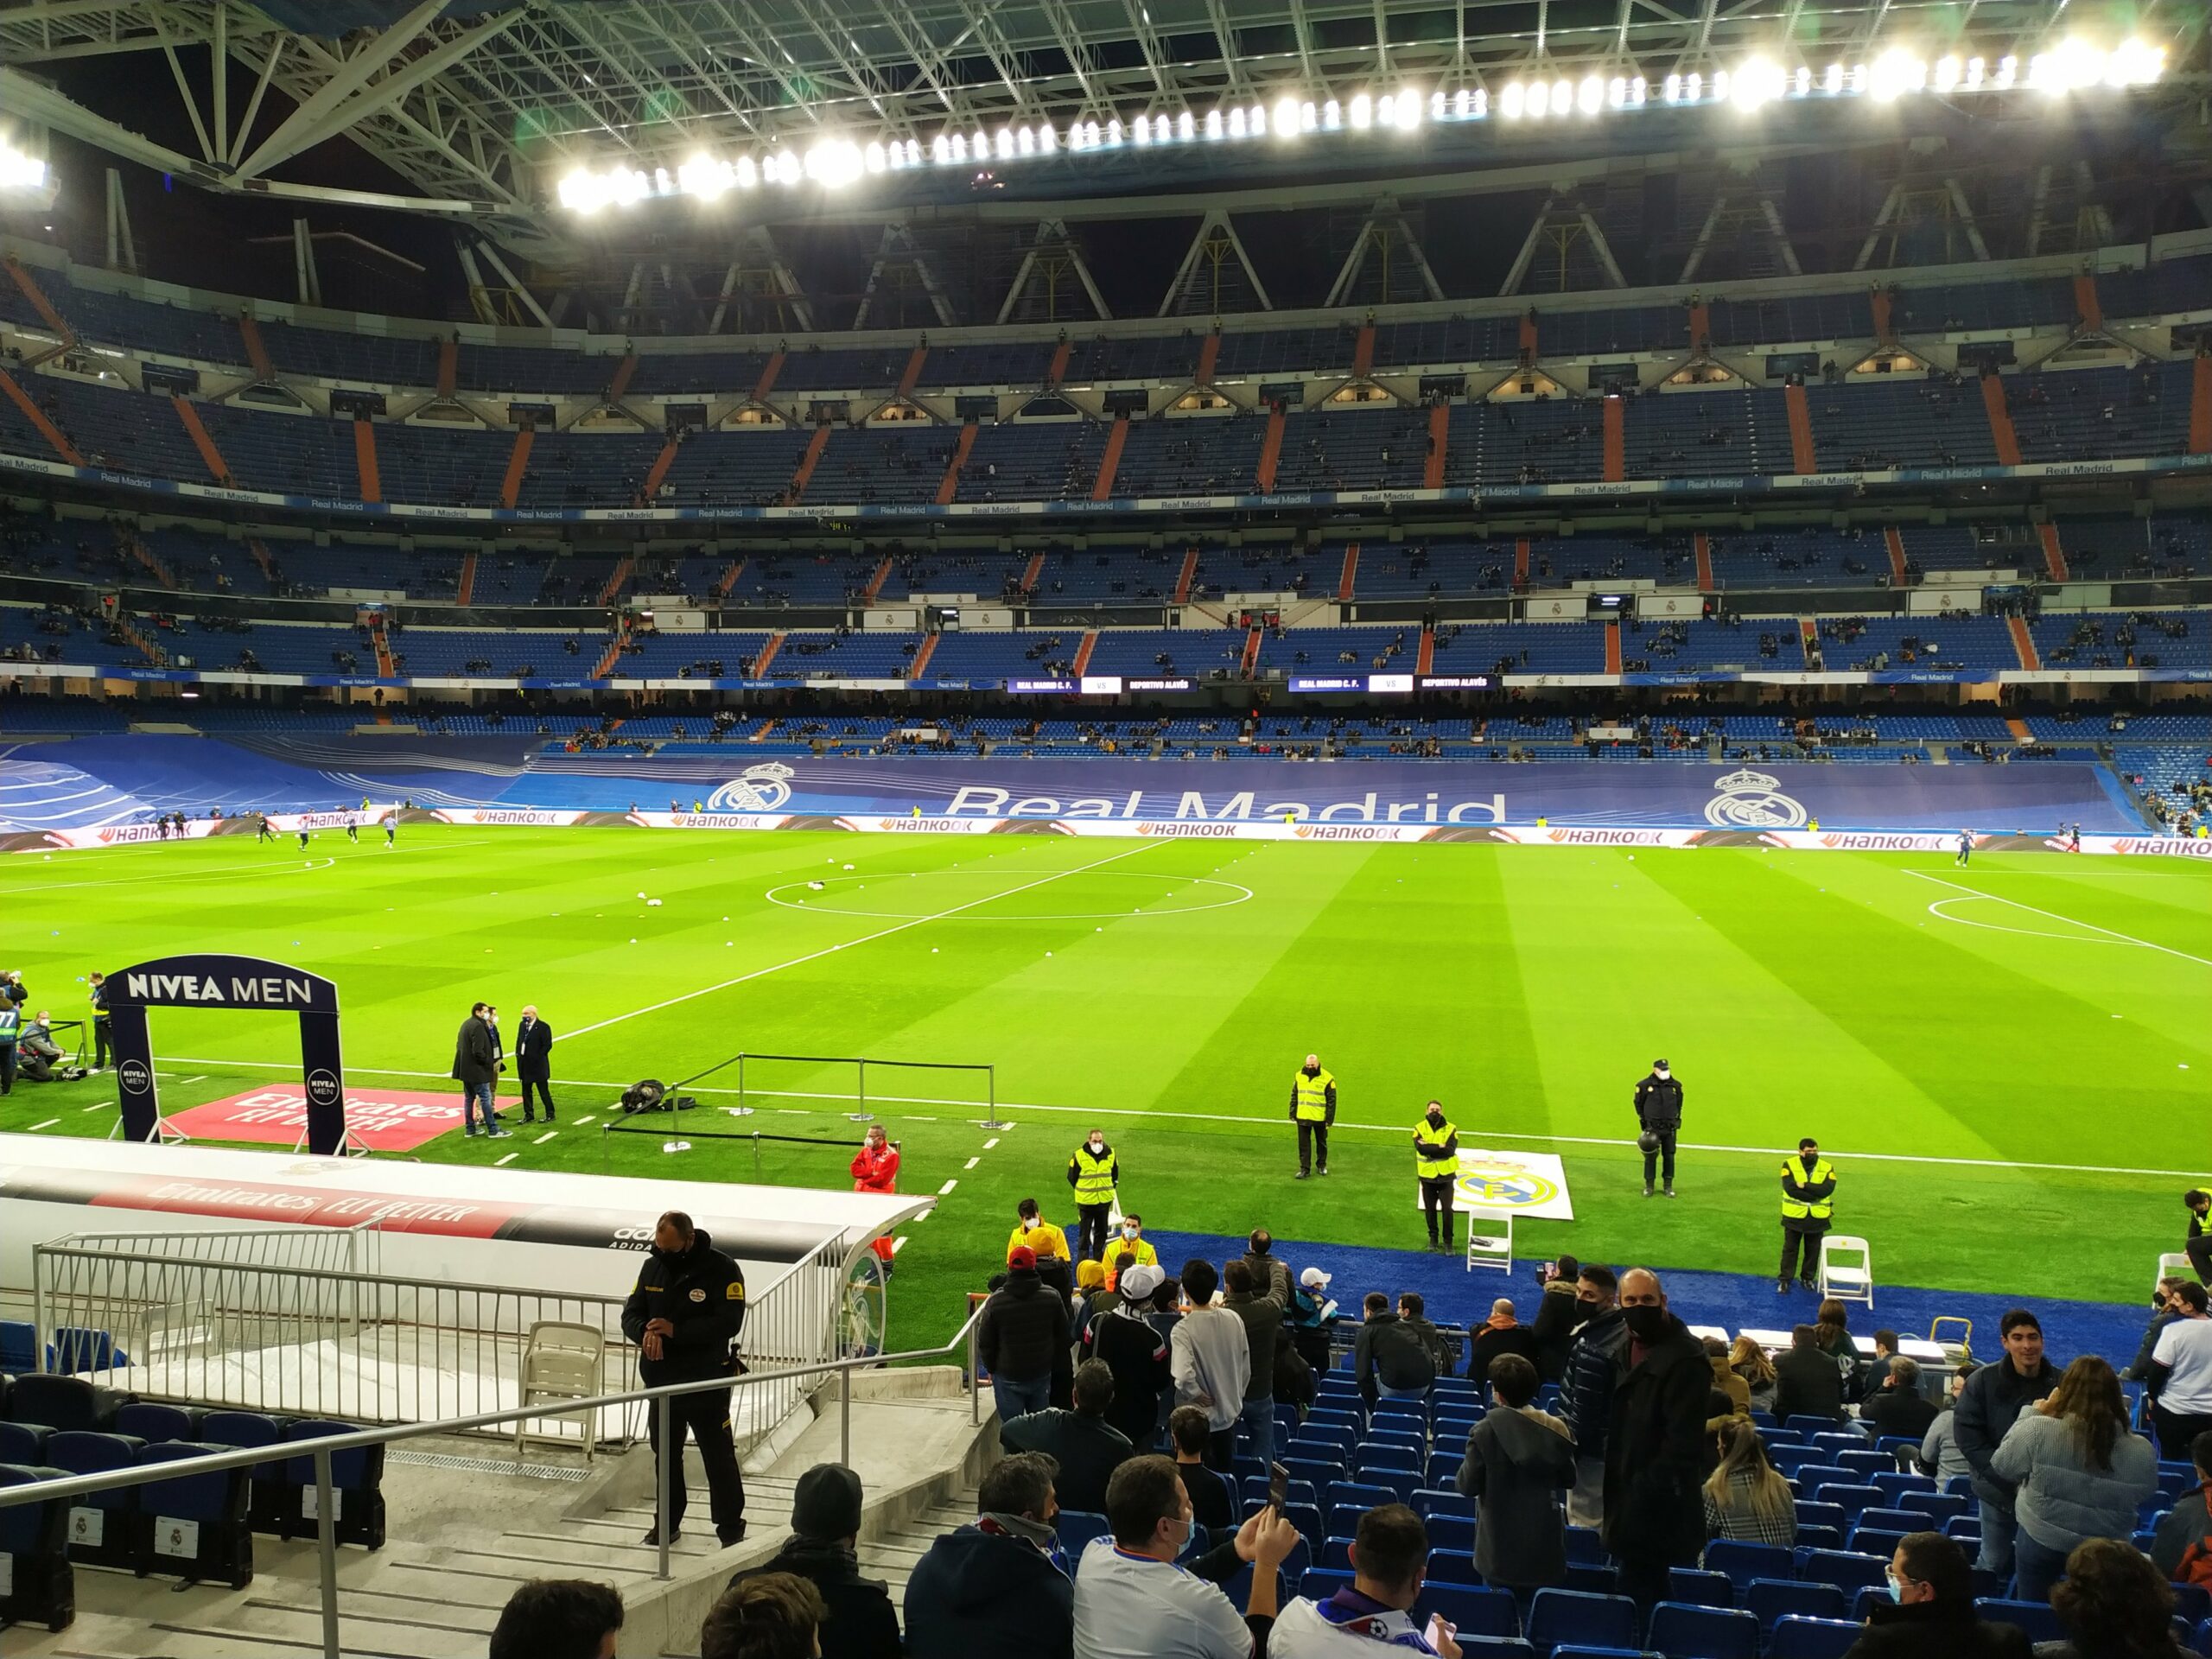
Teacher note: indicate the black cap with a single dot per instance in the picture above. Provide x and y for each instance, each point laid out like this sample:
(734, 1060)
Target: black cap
(826, 1502)
(1658, 1066)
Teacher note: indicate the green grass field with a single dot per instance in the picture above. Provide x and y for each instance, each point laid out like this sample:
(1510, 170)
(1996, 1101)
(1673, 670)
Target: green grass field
(2011, 1090)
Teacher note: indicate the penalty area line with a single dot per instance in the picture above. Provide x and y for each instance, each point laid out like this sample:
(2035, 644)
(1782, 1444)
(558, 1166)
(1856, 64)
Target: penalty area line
(1965, 892)
(1139, 1112)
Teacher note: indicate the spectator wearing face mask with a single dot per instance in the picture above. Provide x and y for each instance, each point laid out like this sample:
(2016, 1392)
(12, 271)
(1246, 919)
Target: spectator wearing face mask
(1094, 1172)
(1131, 1243)
(1654, 1443)
(1436, 1165)
(1930, 1612)
(1046, 1244)
(1593, 1366)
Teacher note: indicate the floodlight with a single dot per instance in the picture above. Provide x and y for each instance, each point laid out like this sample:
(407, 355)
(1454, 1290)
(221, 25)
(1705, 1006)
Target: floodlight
(1232, 127)
(1331, 116)
(1591, 97)
(1616, 91)
(22, 172)
(1512, 100)
(1409, 107)
(1974, 71)
(1286, 121)
(1693, 87)
(1895, 74)
(1362, 111)
(1673, 89)
(1185, 128)
(1948, 70)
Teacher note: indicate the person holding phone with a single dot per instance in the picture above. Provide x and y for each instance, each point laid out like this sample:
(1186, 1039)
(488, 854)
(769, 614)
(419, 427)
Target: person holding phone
(1390, 1564)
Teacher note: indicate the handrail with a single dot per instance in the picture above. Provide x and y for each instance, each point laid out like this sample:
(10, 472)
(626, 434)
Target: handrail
(322, 1448)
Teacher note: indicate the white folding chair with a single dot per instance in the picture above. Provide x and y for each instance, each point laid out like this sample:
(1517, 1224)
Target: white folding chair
(1489, 1239)
(560, 1361)
(1842, 1278)
(2174, 1265)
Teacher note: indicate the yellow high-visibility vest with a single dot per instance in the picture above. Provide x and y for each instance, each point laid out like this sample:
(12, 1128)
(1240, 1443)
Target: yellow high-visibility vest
(1094, 1176)
(1430, 1159)
(1805, 1209)
(1313, 1093)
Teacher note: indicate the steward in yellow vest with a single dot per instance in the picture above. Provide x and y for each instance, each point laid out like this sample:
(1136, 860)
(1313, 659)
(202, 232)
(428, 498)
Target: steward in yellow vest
(1436, 1161)
(1313, 1108)
(1807, 1209)
(1094, 1172)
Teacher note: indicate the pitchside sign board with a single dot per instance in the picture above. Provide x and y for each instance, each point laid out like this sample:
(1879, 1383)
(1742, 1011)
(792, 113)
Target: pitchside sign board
(227, 982)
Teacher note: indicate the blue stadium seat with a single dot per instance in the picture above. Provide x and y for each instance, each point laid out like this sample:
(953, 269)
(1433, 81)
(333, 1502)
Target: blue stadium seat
(1559, 1617)
(1451, 1532)
(1453, 1566)
(1590, 1578)
(1475, 1610)
(2203, 1643)
(1239, 1588)
(1442, 1500)
(1336, 1555)
(1700, 1588)
(22, 1443)
(1444, 1467)
(1682, 1631)
(76, 1349)
(151, 1422)
(1307, 1519)
(1820, 1538)
(1814, 1476)
(268, 1494)
(2192, 1603)
(1316, 1472)
(356, 1482)
(1775, 1599)
(1840, 1567)
(18, 1347)
(1583, 1544)
(1399, 1440)
(1840, 1441)
(1868, 1465)
(42, 1586)
(1877, 1540)
(1853, 1497)
(1375, 1455)
(1967, 1529)
(1792, 1460)
(1361, 1494)
(67, 1402)
(102, 1527)
(1317, 1584)
(1811, 1514)
(1808, 1425)
(2036, 1617)
(1743, 1562)
(1495, 1647)
(217, 1544)
(1897, 1487)
(1810, 1638)
(1076, 1528)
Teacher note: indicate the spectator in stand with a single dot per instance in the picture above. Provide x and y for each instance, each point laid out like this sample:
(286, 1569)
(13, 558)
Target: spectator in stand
(1046, 1242)
(1833, 1325)
(1311, 1316)
(1085, 1447)
(2183, 1544)
(2198, 1247)
(2076, 1471)
(1413, 1313)
(1939, 1448)
(2164, 1310)
(1748, 1361)
(1593, 1369)
(558, 1618)
(823, 1550)
(1262, 1322)
(999, 1586)
(773, 1616)
(1806, 1381)
(1091, 1298)
(1390, 1564)
(1210, 1499)
(1559, 1314)
(1270, 1277)
(1871, 1374)
(1021, 1339)
(1391, 1361)
(2181, 1375)
(1896, 1406)
(1210, 1356)
(1654, 1446)
(1724, 1382)
(1498, 1335)
(1991, 1402)
(1746, 1498)
(2114, 1604)
(1930, 1614)
(1125, 1342)
(1519, 1460)
(1132, 1601)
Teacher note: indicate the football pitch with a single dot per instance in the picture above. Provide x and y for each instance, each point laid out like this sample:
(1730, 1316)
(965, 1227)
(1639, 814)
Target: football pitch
(2008, 1064)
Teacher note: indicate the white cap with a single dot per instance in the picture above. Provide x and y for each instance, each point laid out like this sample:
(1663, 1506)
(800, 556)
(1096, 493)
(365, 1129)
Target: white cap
(1313, 1278)
(1140, 1281)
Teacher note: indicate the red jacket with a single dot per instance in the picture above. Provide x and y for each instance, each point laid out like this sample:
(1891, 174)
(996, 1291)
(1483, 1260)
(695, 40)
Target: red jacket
(876, 1172)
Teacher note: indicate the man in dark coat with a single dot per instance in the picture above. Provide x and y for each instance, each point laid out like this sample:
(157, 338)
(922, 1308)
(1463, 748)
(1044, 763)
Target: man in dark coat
(534, 1061)
(1654, 1444)
(1659, 1116)
(476, 1065)
(825, 1536)
(1806, 1381)
(1500, 1335)
(685, 1315)
(1993, 1397)
(1123, 1339)
(999, 1586)
(1087, 1448)
(1023, 1337)
(1898, 1407)
(1559, 1314)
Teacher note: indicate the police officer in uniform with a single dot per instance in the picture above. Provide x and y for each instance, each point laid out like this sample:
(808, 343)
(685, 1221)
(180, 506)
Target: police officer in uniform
(1658, 1116)
(1807, 1209)
(1094, 1172)
(103, 1024)
(685, 1316)
(1436, 1161)
(1313, 1108)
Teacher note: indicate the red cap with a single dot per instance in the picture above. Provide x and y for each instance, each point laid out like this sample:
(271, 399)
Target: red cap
(1021, 1256)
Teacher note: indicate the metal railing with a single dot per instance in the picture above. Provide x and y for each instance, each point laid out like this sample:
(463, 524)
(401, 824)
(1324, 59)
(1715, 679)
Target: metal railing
(278, 1336)
(656, 1399)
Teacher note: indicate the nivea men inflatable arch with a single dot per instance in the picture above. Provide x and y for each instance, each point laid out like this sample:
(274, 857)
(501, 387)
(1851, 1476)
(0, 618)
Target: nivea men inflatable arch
(226, 983)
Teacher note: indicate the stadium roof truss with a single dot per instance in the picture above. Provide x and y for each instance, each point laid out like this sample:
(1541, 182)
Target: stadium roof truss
(481, 104)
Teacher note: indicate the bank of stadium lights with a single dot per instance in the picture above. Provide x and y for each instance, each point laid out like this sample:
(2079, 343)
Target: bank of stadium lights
(833, 163)
(20, 174)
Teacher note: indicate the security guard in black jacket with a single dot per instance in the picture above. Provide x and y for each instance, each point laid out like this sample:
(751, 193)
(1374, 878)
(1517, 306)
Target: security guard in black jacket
(685, 1316)
(1659, 1116)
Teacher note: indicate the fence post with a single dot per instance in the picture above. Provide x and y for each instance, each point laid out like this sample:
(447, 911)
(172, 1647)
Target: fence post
(845, 1415)
(863, 1086)
(38, 1307)
(974, 1382)
(326, 1533)
(756, 1156)
(661, 1460)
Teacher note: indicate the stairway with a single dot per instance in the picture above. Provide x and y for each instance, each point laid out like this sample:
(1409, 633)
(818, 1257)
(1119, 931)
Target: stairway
(608, 658)
(1270, 452)
(1209, 354)
(623, 571)
(1102, 487)
(1425, 658)
(2000, 421)
(1616, 439)
(1613, 647)
(766, 383)
(1350, 576)
(910, 376)
(948, 487)
(2023, 643)
(1249, 664)
(1083, 652)
(380, 637)
(1058, 370)
(815, 446)
(517, 462)
(624, 372)
(212, 458)
(449, 368)
(259, 548)
(1440, 438)
(2054, 556)
(876, 579)
(725, 583)
(146, 558)
(1033, 573)
(1188, 574)
(1803, 457)
(1703, 544)
(1894, 538)
(767, 655)
(920, 666)
(264, 368)
(658, 472)
(1363, 352)
(365, 461)
(467, 591)
(37, 417)
(2200, 406)
(39, 302)
(1808, 641)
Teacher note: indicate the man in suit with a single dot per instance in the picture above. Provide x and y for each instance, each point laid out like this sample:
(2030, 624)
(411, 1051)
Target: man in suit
(534, 1060)
(476, 1066)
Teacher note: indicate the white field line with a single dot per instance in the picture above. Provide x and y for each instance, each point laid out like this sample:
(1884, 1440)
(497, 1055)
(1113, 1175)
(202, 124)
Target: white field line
(509, 1159)
(1139, 1112)
(543, 1138)
(947, 1186)
(866, 938)
(265, 868)
(49, 1124)
(2048, 915)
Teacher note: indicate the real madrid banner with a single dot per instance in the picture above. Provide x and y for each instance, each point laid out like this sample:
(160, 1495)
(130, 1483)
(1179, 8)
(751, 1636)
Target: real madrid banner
(1524, 1183)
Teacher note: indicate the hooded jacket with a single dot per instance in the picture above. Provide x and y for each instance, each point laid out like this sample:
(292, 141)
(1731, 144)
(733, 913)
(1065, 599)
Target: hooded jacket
(1517, 1463)
(701, 1294)
(981, 1592)
(1023, 1334)
(2063, 1498)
